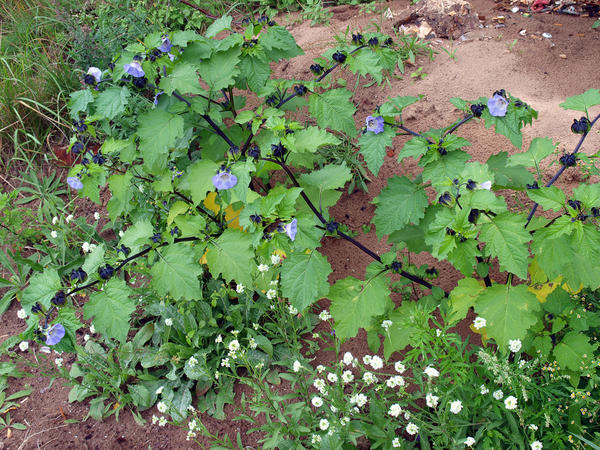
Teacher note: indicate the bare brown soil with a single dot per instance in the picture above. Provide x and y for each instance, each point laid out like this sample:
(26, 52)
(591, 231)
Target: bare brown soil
(531, 69)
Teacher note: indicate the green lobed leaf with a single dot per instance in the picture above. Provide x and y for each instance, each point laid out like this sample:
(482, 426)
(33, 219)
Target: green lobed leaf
(138, 235)
(279, 44)
(329, 177)
(463, 297)
(512, 177)
(94, 259)
(304, 278)
(539, 149)
(365, 63)
(310, 139)
(121, 195)
(256, 70)
(232, 256)
(506, 238)
(183, 79)
(111, 102)
(373, 147)
(221, 24)
(446, 168)
(398, 335)
(509, 311)
(79, 101)
(219, 71)
(198, 179)
(333, 109)
(398, 204)
(569, 352)
(158, 132)
(582, 102)
(395, 105)
(181, 38)
(548, 197)
(588, 194)
(416, 147)
(111, 309)
(355, 302)
(463, 256)
(176, 272)
(42, 287)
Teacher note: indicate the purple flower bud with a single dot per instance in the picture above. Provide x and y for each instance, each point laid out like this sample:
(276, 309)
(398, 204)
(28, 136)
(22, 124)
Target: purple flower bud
(224, 180)
(54, 334)
(134, 68)
(96, 73)
(291, 229)
(158, 94)
(166, 45)
(375, 124)
(497, 105)
(75, 183)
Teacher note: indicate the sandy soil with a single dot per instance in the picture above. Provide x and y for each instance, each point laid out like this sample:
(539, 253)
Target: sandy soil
(531, 69)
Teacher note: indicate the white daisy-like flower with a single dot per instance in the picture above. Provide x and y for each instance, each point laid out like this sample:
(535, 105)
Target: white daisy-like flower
(456, 407)
(332, 377)
(58, 362)
(96, 215)
(479, 323)
(69, 218)
(333, 409)
(359, 399)
(317, 402)
(292, 310)
(324, 315)
(431, 372)
(396, 443)
(514, 345)
(324, 424)
(263, 267)
(367, 359)
(271, 294)
(275, 259)
(53, 234)
(162, 407)
(348, 358)
(21, 314)
(470, 441)
(536, 445)
(394, 381)
(240, 288)
(252, 343)
(533, 427)
(347, 377)
(432, 400)
(498, 394)
(296, 366)
(218, 339)
(169, 322)
(376, 362)
(23, 346)
(315, 439)
(54, 220)
(510, 402)
(483, 389)
(192, 362)
(234, 346)
(319, 383)
(395, 410)
(162, 421)
(85, 247)
(386, 324)
(369, 378)
(225, 362)
(412, 429)
(399, 367)
(320, 368)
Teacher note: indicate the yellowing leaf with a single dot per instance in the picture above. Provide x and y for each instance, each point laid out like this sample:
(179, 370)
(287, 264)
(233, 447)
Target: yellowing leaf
(203, 259)
(542, 291)
(209, 202)
(567, 288)
(232, 216)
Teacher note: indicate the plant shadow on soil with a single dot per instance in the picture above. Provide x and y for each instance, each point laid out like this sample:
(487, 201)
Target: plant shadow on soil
(531, 69)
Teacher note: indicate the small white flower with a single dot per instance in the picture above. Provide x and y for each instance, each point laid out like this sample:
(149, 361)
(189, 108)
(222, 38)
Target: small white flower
(85, 247)
(263, 267)
(367, 359)
(320, 368)
(397, 380)
(431, 372)
(271, 294)
(218, 339)
(456, 406)
(487, 185)
(522, 362)
(162, 421)
(396, 443)
(159, 390)
(297, 366)
(92, 329)
(92, 247)
(317, 401)
(225, 362)
(536, 445)
(348, 358)
(234, 346)
(235, 332)
(121, 233)
(332, 377)
(510, 402)
(438, 332)
(319, 383)
(86, 337)
(412, 429)
(252, 343)
(483, 389)
(432, 400)
(191, 408)
(347, 377)
(406, 415)
(54, 220)
(169, 322)
(376, 362)
(395, 410)
(360, 400)
(324, 315)
(315, 439)
(23, 346)
(470, 441)
(96, 215)
(324, 424)
(53, 234)
(399, 367)
(388, 14)
(369, 378)
(273, 282)
(21, 314)
(154, 419)
(533, 427)
(333, 409)
(255, 326)
(58, 362)
(292, 310)
(162, 407)
(217, 374)
(514, 345)
(498, 394)
(275, 259)
(240, 288)
(192, 361)
(386, 324)
(69, 218)
(479, 323)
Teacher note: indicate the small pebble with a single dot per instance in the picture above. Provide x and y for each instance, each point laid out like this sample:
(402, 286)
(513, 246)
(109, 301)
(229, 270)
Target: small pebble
(563, 56)
(515, 9)
(523, 32)
(547, 35)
